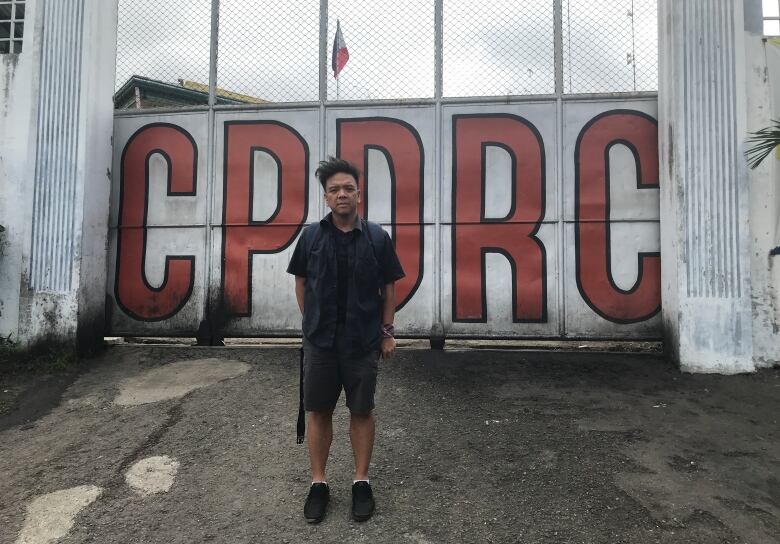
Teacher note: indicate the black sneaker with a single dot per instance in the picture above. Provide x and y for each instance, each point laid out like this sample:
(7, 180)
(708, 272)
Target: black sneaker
(316, 502)
(362, 501)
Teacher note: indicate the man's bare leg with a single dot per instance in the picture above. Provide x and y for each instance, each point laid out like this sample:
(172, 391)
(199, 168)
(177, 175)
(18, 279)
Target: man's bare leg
(320, 437)
(361, 434)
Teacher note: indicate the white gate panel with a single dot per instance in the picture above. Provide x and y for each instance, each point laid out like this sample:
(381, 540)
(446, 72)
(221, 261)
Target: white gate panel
(417, 315)
(625, 126)
(169, 298)
(264, 193)
(157, 239)
(394, 149)
(611, 208)
(618, 292)
(511, 293)
(536, 122)
(533, 241)
(164, 209)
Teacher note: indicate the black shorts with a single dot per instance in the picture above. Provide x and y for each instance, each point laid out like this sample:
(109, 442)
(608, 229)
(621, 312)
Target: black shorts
(326, 371)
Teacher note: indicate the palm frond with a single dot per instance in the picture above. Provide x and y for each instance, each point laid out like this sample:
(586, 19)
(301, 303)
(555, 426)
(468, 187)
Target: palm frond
(763, 143)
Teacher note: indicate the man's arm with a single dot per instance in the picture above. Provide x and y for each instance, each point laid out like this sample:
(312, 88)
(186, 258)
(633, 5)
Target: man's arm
(300, 287)
(388, 305)
(388, 314)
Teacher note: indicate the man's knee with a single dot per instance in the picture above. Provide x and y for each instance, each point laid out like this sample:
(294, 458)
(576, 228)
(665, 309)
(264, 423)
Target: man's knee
(320, 415)
(361, 416)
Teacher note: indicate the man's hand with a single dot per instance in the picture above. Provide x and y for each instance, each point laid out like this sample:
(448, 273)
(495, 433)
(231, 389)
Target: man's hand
(387, 347)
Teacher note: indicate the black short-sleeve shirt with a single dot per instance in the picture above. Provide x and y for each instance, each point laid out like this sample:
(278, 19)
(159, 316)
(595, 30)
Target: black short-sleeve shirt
(389, 264)
(347, 271)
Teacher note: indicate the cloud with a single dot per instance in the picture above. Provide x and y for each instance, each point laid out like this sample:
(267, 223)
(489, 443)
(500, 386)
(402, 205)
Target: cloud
(270, 49)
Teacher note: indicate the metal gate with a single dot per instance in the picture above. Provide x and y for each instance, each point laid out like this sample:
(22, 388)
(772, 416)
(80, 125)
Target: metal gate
(513, 216)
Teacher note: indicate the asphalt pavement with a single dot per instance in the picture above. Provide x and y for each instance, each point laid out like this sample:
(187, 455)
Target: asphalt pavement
(177, 444)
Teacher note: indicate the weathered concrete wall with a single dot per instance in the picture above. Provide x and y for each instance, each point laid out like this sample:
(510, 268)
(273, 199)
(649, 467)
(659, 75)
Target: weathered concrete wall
(708, 52)
(56, 155)
(763, 61)
(719, 219)
(95, 152)
(18, 81)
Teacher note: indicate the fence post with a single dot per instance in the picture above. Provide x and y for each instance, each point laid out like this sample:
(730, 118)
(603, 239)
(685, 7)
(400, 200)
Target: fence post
(558, 45)
(438, 36)
(323, 50)
(437, 329)
(208, 331)
(213, 48)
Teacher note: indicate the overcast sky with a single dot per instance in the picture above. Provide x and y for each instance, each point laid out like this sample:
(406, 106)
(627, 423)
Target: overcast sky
(269, 49)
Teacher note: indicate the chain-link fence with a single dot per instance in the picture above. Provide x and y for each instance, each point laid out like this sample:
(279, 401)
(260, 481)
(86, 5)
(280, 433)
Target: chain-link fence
(498, 47)
(391, 49)
(270, 51)
(162, 49)
(610, 46)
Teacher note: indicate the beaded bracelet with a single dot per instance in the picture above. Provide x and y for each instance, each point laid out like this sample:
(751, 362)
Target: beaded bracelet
(388, 331)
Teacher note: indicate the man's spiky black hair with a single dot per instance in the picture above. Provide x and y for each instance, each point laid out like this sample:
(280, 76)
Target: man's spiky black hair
(327, 169)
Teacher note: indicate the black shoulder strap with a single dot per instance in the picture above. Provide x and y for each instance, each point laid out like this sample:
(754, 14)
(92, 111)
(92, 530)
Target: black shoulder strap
(300, 427)
(310, 236)
(367, 227)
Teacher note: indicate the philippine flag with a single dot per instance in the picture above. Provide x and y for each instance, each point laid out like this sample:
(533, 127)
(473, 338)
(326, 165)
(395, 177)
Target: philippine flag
(340, 53)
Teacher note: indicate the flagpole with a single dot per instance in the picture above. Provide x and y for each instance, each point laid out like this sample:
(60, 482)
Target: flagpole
(340, 56)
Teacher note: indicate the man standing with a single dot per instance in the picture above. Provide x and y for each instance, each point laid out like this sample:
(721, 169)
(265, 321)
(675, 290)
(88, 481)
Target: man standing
(345, 269)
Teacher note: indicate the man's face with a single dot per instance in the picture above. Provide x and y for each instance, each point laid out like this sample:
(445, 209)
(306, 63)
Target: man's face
(342, 194)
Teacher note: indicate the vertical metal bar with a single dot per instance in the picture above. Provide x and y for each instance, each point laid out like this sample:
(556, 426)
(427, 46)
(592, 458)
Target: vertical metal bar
(568, 43)
(211, 152)
(633, 42)
(560, 227)
(323, 50)
(438, 36)
(323, 91)
(438, 17)
(560, 231)
(558, 45)
(213, 50)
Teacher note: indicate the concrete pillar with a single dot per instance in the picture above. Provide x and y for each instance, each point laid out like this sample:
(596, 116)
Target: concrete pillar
(705, 80)
(763, 105)
(59, 118)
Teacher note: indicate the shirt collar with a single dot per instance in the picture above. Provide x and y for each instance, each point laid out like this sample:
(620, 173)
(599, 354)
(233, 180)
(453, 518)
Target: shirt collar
(328, 221)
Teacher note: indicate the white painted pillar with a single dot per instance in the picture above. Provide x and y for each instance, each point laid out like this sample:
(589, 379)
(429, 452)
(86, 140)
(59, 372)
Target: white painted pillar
(763, 105)
(705, 80)
(18, 75)
(63, 196)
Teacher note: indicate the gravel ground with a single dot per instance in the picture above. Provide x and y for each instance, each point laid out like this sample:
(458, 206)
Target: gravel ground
(472, 446)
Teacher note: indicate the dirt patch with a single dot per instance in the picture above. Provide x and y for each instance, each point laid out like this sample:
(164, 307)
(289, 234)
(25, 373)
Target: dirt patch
(33, 380)
(472, 446)
(27, 398)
